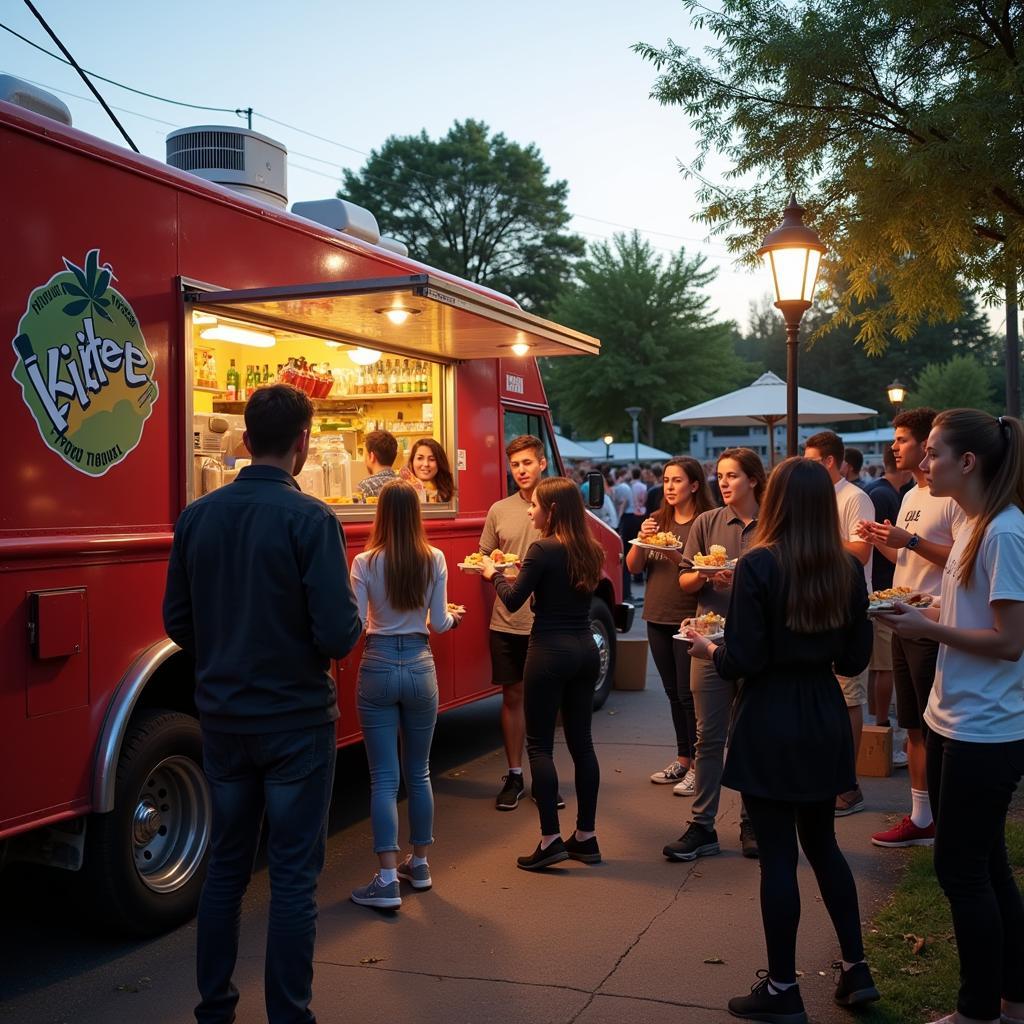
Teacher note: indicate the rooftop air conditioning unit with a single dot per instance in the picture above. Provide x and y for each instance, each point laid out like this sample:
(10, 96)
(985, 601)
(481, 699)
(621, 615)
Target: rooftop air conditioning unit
(235, 157)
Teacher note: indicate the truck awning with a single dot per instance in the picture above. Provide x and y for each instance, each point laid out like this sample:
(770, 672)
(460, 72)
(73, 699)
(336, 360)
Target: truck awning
(445, 320)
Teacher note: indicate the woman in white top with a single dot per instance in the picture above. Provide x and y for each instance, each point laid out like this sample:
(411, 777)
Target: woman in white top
(400, 583)
(975, 715)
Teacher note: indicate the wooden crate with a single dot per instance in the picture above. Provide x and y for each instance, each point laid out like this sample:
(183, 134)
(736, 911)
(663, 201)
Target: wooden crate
(875, 760)
(631, 664)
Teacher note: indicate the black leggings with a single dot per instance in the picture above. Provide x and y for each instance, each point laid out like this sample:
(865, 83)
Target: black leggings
(560, 674)
(672, 660)
(777, 824)
(970, 786)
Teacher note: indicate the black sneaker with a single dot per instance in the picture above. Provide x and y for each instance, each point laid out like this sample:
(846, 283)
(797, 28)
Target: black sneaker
(774, 1007)
(511, 792)
(696, 841)
(855, 987)
(748, 840)
(588, 851)
(554, 854)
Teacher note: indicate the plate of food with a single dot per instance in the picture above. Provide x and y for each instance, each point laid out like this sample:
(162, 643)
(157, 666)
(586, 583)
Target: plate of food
(881, 602)
(662, 541)
(711, 626)
(714, 561)
(456, 609)
(503, 561)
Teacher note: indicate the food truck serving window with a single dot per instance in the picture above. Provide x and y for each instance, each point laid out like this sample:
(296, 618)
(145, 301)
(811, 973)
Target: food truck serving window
(373, 356)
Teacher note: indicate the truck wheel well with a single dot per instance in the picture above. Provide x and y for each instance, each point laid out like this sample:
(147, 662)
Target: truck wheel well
(606, 593)
(172, 687)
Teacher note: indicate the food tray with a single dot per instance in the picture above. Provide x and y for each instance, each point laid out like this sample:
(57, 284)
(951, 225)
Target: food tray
(656, 547)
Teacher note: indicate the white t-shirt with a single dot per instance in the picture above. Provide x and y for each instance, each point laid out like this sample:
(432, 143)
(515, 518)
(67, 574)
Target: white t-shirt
(975, 699)
(935, 519)
(639, 489)
(854, 506)
(622, 496)
(376, 611)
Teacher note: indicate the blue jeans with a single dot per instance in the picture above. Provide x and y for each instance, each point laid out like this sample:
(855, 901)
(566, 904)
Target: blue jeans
(396, 695)
(288, 777)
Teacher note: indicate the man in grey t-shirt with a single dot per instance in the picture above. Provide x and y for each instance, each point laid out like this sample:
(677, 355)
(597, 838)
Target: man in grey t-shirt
(509, 528)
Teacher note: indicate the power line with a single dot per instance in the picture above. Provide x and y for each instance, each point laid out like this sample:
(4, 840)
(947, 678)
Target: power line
(347, 148)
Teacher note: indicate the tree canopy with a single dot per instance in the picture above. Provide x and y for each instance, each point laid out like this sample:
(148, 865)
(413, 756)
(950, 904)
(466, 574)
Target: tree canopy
(660, 347)
(474, 204)
(960, 382)
(896, 122)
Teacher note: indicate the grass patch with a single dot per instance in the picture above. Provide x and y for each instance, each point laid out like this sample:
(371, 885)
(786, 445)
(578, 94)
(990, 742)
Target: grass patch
(917, 986)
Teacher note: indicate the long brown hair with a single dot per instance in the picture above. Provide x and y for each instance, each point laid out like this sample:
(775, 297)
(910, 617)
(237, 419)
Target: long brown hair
(443, 480)
(750, 462)
(702, 500)
(799, 523)
(998, 445)
(398, 531)
(562, 504)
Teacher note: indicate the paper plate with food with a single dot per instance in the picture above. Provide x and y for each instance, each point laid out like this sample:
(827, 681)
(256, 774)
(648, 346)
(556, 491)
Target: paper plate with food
(661, 541)
(503, 561)
(711, 626)
(714, 561)
(456, 609)
(883, 602)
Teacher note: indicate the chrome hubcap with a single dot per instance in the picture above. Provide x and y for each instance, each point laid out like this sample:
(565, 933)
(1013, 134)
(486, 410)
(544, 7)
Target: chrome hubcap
(171, 824)
(601, 643)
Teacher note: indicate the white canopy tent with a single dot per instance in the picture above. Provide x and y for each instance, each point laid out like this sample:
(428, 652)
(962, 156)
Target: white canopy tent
(764, 402)
(569, 449)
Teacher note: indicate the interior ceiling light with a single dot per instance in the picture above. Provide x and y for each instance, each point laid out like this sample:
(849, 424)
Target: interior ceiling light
(399, 314)
(239, 335)
(203, 318)
(363, 356)
(333, 344)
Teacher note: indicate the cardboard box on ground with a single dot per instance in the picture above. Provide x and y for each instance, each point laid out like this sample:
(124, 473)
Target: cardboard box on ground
(875, 758)
(631, 664)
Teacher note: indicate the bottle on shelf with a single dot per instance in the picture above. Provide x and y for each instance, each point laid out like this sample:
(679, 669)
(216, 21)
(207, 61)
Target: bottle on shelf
(232, 382)
(381, 382)
(393, 377)
(403, 378)
(266, 373)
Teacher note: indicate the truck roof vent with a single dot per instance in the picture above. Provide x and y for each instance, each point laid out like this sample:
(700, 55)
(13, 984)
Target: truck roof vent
(31, 97)
(393, 245)
(235, 157)
(341, 215)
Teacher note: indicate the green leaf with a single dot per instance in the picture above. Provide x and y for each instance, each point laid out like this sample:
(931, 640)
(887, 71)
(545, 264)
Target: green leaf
(101, 284)
(91, 265)
(79, 274)
(100, 311)
(72, 289)
(76, 307)
(102, 302)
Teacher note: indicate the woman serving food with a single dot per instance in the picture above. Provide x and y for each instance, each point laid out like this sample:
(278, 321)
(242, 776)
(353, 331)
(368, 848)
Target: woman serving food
(429, 471)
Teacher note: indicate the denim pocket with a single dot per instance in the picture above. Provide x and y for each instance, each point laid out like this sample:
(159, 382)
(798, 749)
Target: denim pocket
(423, 676)
(377, 683)
(290, 756)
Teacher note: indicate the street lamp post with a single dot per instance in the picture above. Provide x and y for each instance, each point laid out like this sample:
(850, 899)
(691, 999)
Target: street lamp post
(634, 411)
(897, 392)
(792, 252)
(608, 438)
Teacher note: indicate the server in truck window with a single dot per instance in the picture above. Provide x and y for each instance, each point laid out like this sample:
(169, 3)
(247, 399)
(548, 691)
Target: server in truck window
(381, 452)
(509, 529)
(258, 592)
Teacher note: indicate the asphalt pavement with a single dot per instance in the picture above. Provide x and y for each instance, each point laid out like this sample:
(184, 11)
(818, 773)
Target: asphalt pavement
(636, 938)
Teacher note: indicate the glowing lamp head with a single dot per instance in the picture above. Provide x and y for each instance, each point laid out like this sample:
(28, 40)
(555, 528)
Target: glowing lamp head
(239, 335)
(897, 392)
(398, 314)
(520, 348)
(792, 252)
(608, 438)
(363, 356)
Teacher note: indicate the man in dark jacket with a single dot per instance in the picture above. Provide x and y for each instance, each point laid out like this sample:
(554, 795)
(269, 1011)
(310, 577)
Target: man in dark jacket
(258, 592)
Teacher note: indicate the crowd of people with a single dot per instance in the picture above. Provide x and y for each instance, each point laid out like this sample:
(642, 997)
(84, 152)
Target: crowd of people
(773, 709)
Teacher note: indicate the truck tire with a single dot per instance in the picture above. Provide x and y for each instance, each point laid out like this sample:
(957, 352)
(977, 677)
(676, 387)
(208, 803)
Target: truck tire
(146, 859)
(603, 627)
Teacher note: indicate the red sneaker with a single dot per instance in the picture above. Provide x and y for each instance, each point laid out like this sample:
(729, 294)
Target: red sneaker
(906, 833)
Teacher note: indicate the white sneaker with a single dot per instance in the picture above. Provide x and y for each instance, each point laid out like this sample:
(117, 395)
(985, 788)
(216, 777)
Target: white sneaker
(899, 759)
(672, 772)
(687, 785)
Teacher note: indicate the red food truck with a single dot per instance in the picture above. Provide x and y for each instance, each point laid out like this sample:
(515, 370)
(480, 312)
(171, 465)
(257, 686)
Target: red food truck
(142, 303)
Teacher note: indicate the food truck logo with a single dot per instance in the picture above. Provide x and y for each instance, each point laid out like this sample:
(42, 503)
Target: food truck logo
(83, 366)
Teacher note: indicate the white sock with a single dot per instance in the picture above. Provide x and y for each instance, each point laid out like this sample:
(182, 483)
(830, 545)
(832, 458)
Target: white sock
(418, 862)
(388, 875)
(777, 987)
(921, 811)
(515, 771)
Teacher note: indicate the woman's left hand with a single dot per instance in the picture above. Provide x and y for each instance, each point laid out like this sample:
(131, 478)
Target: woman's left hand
(700, 646)
(489, 571)
(908, 622)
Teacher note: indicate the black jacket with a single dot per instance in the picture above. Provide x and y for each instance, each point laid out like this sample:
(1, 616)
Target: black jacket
(258, 592)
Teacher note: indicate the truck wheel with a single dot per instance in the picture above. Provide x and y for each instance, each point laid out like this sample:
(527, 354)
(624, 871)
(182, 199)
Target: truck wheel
(603, 628)
(145, 860)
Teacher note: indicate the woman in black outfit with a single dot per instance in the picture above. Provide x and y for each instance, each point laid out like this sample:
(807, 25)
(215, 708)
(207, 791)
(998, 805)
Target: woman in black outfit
(561, 571)
(791, 749)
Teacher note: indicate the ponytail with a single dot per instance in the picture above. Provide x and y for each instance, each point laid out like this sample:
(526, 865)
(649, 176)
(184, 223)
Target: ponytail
(998, 447)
